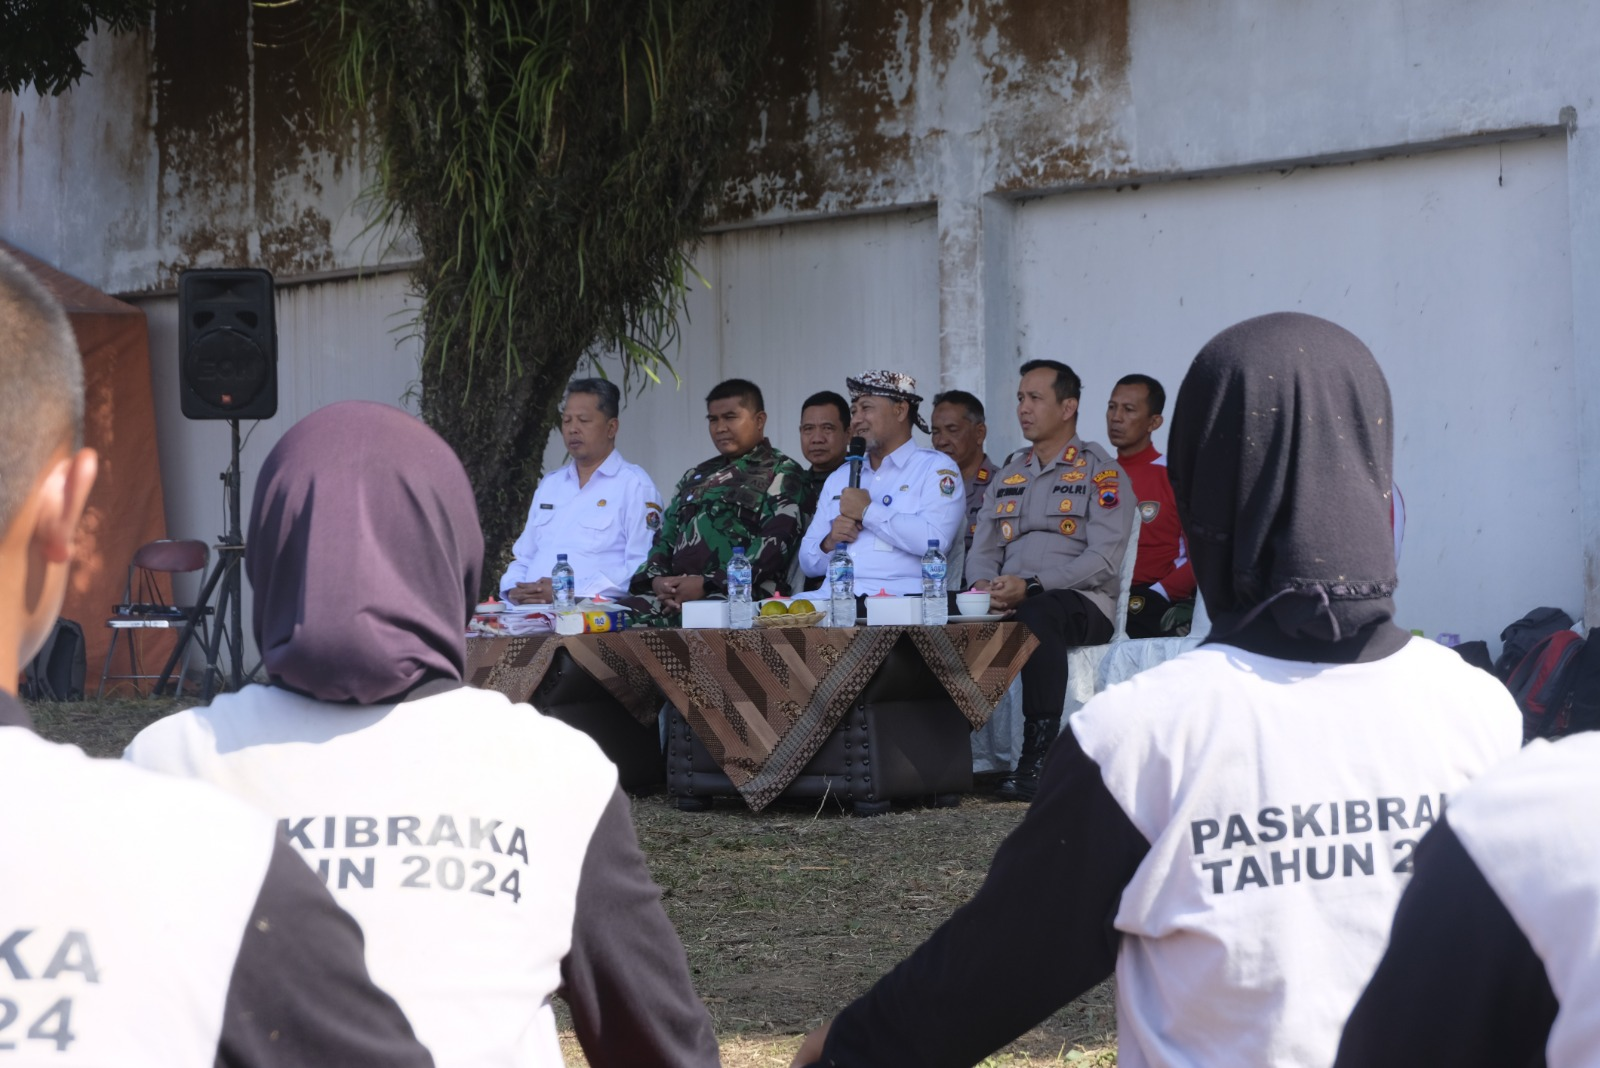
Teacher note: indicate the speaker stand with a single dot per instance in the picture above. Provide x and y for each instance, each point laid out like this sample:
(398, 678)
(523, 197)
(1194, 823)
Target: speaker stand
(225, 576)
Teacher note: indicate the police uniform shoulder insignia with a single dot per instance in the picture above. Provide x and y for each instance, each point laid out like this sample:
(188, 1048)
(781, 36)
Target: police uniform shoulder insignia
(1108, 496)
(1066, 504)
(947, 486)
(1148, 510)
(1071, 454)
(982, 476)
(1014, 480)
(1105, 476)
(1069, 526)
(1007, 531)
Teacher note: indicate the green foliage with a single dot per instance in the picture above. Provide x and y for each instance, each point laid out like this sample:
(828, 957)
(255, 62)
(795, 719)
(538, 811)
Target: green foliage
(39, 39)
(554, 158)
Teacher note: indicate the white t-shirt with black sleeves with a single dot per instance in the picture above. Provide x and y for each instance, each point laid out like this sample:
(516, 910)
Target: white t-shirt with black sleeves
(151, 923)
(486, 852)
(1230, 832)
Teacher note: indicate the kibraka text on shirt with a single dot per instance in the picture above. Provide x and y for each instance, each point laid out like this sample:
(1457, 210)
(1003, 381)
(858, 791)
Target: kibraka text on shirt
(414, 871)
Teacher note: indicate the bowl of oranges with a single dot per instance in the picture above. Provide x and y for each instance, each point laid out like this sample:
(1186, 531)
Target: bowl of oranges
(782, 612)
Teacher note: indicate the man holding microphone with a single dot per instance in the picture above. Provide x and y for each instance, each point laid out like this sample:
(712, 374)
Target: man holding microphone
(905, 496)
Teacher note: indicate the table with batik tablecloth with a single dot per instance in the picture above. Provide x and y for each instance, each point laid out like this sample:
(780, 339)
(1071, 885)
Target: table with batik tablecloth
(763, 701)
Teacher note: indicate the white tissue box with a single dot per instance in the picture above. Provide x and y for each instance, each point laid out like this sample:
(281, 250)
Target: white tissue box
(894, 611)
(705, 615)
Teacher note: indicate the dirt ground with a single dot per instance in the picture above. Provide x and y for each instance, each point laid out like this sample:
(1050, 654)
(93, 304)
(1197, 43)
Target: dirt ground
(785, 915)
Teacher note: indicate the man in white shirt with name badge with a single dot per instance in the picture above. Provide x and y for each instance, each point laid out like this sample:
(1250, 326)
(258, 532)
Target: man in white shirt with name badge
(909, 495)
(599, 509)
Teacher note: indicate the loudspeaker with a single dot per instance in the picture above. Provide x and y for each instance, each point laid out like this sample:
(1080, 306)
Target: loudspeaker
(228, 344)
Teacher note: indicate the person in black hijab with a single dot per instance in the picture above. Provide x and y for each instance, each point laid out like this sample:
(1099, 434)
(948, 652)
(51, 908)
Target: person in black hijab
(485, 849)
(1230, 830)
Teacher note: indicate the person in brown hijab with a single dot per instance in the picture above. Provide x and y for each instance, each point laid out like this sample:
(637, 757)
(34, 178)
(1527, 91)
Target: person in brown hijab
(486, 849)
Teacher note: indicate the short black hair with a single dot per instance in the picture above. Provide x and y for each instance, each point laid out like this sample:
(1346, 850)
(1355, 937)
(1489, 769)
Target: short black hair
(605, 394)
(828, 396)
(41, 405)
(1158, 396)
(1067, 383)
(740, 389)
(972, 404)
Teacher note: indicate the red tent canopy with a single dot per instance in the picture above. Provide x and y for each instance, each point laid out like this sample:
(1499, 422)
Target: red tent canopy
(126, 508)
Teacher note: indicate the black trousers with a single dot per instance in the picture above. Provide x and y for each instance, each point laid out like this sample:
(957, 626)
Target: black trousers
(1059, 619)
(1145, 610)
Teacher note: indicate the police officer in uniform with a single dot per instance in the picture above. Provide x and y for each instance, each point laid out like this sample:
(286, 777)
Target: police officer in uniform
(143, 921)
(959, 431)
(749, 494)
(599, 509)
(909, 494)
(1049, 544)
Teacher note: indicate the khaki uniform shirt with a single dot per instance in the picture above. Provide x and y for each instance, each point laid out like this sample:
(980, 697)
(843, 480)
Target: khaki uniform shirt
(1065, 521)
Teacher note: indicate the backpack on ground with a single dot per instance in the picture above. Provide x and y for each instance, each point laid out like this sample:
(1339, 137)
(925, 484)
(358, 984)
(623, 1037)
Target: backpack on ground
(57, 673)
(1539, 684)
(1579, 707)
(1521, 636)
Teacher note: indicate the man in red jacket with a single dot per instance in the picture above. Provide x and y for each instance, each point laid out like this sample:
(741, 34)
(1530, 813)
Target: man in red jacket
(1162, 576)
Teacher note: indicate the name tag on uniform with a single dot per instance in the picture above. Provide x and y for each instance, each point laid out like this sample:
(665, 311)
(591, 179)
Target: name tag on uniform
(546, 507)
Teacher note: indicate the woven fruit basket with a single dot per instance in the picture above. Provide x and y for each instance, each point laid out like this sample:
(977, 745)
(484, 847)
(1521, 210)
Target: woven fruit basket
(802, 619)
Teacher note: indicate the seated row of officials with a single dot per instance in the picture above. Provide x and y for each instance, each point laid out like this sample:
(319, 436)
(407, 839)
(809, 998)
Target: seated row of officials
(1045, 532)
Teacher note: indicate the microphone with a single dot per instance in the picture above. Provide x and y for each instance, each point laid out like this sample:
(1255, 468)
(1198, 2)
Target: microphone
(854, 454)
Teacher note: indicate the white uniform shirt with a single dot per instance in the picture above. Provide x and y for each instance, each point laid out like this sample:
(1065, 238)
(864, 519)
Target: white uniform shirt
(917, 495)
(1281, 820)
(452, 827)
(125, 897)
(604, 527)
(1530, 827)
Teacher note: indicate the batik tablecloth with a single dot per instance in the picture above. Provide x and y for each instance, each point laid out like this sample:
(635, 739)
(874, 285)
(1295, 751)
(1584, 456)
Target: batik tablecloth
(763, 701)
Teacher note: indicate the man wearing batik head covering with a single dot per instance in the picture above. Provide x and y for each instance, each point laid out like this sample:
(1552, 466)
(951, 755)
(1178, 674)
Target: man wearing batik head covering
(1230, 830)
(909, 495)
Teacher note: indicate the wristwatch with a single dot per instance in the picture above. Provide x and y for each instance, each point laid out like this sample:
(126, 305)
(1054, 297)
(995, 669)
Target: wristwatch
(1034, 588)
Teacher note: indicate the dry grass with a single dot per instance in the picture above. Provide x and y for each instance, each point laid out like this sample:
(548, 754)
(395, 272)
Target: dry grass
(785, 915)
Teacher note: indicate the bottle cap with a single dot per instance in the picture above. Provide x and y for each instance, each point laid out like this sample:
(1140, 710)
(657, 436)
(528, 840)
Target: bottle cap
(561, 557)
(738, 550)
(933, 543)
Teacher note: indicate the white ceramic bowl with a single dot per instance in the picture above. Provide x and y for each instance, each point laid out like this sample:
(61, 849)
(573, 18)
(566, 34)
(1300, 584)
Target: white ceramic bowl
(973, 604)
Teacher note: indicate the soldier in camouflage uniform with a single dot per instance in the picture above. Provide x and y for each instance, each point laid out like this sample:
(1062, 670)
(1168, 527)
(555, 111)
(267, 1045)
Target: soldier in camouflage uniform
(749, 494)
(824, 435)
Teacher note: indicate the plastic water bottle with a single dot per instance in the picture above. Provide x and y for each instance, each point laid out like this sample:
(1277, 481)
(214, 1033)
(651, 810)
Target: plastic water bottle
(935, 609)
(841, 588)
(563, 586)
(741, 610)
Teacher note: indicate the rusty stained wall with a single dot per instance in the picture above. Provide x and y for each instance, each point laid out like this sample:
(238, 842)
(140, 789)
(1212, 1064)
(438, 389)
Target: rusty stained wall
(868, 106)
(202, 141)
